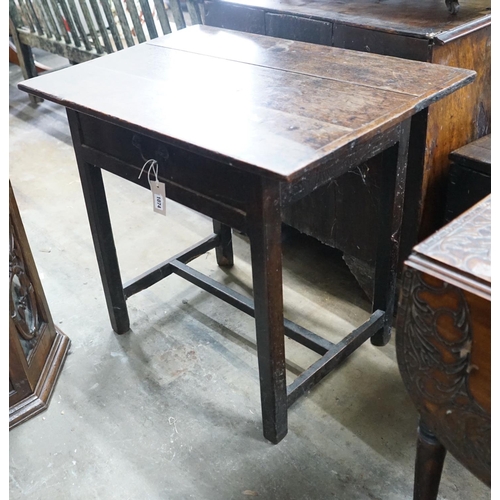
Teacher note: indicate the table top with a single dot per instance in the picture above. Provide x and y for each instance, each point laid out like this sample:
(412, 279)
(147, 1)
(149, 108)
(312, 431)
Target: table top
(463, 247)
(427, 19)
(269, 106)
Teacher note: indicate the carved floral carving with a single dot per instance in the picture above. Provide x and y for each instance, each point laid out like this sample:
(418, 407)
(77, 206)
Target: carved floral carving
(433, 348)
(23, 305)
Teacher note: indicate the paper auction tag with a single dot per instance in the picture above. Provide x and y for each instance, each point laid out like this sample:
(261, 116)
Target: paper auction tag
(159, 202)
(157, 187)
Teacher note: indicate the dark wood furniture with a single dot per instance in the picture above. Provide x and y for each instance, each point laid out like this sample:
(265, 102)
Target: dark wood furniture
(470, 176)
(344, 212)
(37, 348)
(275, 120)
(443, 346)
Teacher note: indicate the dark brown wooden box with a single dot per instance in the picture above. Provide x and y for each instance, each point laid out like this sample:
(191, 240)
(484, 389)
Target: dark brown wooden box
(344, 214)
(470, 177)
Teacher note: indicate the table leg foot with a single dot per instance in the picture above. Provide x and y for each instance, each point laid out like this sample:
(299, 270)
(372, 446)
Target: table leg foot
(224, 251)
(276, 434)
(381, 338)
(428, 464)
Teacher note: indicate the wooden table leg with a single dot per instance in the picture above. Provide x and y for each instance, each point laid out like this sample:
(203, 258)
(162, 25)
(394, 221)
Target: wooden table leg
(102, 233)
(395, 161)
(265, 240)
(224, 251)
(428, 464)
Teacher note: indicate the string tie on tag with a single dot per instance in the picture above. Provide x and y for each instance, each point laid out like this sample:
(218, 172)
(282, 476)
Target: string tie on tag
(153, 165)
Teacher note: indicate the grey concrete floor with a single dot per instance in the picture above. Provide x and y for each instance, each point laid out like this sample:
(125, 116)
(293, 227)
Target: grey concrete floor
(171, 409)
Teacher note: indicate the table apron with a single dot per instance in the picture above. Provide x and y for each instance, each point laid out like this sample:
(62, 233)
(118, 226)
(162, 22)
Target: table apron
(208, 186)
(200, 202)
(346, 158)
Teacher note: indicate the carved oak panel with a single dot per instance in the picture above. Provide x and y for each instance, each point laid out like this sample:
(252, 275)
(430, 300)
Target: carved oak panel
(37, 349)
(24, 309)
(435, 348)
(443, 336)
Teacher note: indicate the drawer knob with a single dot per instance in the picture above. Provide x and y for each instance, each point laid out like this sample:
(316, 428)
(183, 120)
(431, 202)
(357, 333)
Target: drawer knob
(161, 150)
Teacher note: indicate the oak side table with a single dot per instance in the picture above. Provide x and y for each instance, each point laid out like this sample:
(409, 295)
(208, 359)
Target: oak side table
(240, 125)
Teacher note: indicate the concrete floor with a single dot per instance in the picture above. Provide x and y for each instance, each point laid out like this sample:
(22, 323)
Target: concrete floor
(171, 410)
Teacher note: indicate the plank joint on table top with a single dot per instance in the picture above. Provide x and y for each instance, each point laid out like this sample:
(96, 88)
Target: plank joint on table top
(300, 102)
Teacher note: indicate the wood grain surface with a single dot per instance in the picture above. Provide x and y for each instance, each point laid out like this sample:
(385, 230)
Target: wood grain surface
(264, 105)
(464, 245)
(423, 18)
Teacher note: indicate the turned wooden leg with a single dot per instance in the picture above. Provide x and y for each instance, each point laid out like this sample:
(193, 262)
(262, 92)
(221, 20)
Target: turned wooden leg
(428, 464)
(102, 234)
(224, 251)
(391, 218)
(265, 240)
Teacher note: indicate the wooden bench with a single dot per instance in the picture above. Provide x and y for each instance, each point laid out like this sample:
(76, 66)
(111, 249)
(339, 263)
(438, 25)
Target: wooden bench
(81, 30)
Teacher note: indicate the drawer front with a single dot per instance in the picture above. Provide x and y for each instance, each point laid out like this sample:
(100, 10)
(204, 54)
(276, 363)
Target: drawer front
(184, 168)
(377, 42)
(299, 28)
(235, 17)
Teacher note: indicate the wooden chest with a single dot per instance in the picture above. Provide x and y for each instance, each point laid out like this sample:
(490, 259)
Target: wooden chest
(443, 336)
(470, 176)
(345, 212)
